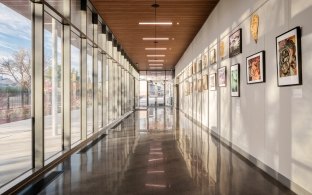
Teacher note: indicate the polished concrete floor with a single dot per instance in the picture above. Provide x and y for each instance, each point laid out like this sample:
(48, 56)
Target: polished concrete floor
(157, 151)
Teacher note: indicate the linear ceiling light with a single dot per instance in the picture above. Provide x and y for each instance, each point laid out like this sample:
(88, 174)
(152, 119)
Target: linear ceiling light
(156, 60)
(155, 39)
(155, 23)
(159, 55)
(158, 49)
(155, 67)
(156, 64)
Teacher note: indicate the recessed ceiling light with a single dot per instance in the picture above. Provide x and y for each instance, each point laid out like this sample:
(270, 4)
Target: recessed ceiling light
(156, 39)
(156, 60)
(160, 55)
(158, 48)
(155, 23)
(156, 64)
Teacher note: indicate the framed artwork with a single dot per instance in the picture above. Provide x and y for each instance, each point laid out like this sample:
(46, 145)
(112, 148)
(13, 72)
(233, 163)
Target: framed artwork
(194, 67)
(235, 43)
(212, 82)
(288, 54)
(199, 64)
(254, 25)
(213, 55)
(205, 82)
(199, 85)
(235, 80)
(255, 68)
(191, 87)
(222, 76)
(190, 70)
(205, 60)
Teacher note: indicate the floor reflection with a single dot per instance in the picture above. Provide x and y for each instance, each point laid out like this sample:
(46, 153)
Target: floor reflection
(158, 151)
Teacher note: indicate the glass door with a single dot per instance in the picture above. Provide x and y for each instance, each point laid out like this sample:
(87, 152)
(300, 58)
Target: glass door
(156, 93)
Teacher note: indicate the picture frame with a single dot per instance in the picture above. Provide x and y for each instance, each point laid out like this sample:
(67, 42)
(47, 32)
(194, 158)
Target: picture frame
(205, 82)
(255, 68)
(213, 55)
(205, 59)
(288, 58)
(195, 85)
(235, 43)
(223, 50)
(222, 76)
(235, 80)
(199, 64)
(199, 85)
(212, 82)
(194, 67)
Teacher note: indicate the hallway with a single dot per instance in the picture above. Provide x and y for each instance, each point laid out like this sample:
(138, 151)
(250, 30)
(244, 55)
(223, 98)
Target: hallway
(156, 151)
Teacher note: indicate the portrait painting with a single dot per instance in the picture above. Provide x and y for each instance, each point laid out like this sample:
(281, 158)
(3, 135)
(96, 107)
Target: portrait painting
(222, 76)
(288, 49)
(213, 55)
(235, 80)
(255, 68)
(235, 43)
(212, 82)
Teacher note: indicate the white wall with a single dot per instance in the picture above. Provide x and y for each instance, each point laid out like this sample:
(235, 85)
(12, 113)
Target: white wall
(273, 124)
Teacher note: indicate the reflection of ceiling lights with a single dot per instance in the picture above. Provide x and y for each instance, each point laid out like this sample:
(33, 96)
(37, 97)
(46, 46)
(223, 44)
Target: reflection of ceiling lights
(156, 64)
(159, 48)
(156, 185)
(155, 23)
(159, 55)
(155, 68)
(156, 60)
(155, 39)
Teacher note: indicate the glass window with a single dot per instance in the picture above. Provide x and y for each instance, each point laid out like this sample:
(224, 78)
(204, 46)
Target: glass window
(76, 13)
(89, 24)
(52, 86)
(15, 89)
(57, 5)
(75, 88)
(89, 89)
(100, 91)
(143, 93)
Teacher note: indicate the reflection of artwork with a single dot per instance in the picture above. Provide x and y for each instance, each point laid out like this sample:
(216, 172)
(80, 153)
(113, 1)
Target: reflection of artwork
(212, 82)
(205, 60)
(222, 76)
(194, 67)
(205, 82)
(195, 86)
(235, 41)
(235, 81)
(199, 85)
(255, 68)
(254, 25)
(222, 49)
(288, 47)
(213, 55)
(199, 64)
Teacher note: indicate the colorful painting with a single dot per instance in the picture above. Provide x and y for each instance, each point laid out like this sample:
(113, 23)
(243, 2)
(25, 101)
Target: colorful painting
(235, 80)
(222, 76)
(288, 46)
(255, 68)
(212, 82)
(254, 25)
(235, 43)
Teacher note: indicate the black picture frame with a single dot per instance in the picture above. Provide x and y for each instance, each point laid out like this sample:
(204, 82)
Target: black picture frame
(232, 50)
(261, 56)
(235, 93)
(287, 79)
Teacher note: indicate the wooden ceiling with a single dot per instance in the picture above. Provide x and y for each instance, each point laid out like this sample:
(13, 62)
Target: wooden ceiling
(123, 17)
